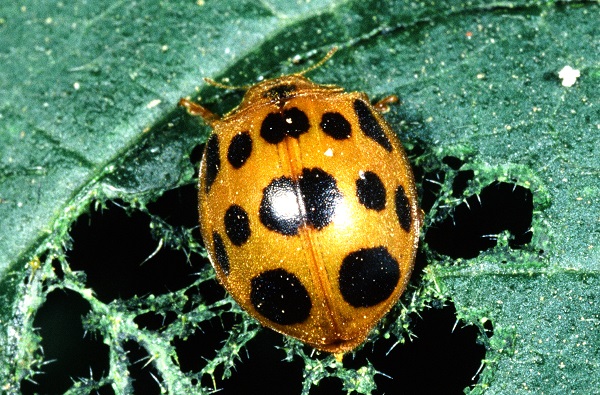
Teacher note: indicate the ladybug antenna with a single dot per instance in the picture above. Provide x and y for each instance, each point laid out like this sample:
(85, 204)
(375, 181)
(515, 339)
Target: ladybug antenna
(212, 82)
(325, 58)
(320, 62)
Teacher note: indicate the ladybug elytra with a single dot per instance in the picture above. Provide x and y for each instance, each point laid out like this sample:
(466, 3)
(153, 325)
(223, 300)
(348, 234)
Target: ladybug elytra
(308, 209)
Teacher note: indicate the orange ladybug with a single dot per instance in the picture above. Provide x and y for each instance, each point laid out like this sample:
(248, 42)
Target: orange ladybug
(308, 209)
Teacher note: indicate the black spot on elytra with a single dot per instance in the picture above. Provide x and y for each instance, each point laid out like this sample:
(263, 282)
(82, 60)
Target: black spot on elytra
(280, 297)
(311, 200)
(371, 191)
(279, 208)
(320, 196)
(335, 125)
(221, 253)
(403, 208)
(278, 125)
(240, 149)
(213, 161)
(370, 126)
(237, 225)
(368, 276)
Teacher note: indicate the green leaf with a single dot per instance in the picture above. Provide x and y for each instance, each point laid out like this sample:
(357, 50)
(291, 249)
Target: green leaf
(88, 114)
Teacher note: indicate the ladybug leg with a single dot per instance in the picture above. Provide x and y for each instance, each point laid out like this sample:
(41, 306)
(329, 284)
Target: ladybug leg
(196, 109)
(383, 105)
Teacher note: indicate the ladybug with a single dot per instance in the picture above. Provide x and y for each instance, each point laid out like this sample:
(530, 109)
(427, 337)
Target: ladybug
(308, 209)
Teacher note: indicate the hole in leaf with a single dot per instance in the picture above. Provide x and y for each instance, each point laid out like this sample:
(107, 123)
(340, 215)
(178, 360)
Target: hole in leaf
(263, 371)
(441, 349)
(68, 354)
(476, 223)
(489, 329)
(328, 386)
(202, 344)
(211, 292)
(416, 150)
(205, 293)
(105, 390)
(154, 321)
(421, 262)
(461, 181)
(178, 207)
(453, 162)
(112, 248)
(58, 269)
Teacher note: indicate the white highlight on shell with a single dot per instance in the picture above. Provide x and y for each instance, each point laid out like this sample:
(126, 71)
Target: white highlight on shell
(285, 205)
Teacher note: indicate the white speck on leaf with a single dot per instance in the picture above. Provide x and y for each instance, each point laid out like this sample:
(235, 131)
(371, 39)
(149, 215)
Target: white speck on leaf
(153, 103)
(569, 76)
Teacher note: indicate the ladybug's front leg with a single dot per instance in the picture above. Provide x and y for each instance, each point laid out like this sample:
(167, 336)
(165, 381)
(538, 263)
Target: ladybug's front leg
(196, 109)
(383, 105)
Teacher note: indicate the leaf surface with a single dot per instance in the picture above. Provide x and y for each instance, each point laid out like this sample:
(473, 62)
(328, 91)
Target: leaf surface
(88, 113)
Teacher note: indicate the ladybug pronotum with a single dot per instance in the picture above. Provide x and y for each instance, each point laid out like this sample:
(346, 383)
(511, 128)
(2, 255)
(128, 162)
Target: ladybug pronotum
(308, 209)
